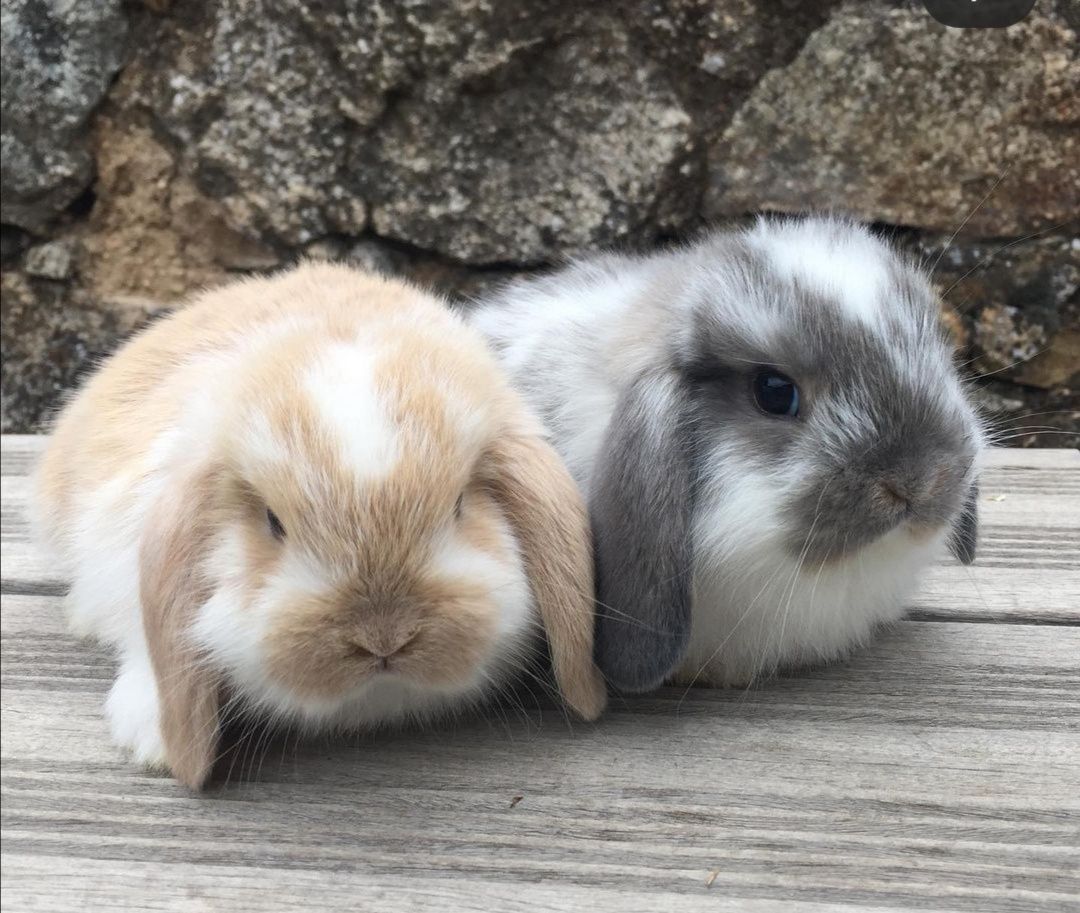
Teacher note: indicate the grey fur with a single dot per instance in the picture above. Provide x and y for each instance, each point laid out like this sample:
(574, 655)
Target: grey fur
(641, 509)
(965, 535)
(641, 369)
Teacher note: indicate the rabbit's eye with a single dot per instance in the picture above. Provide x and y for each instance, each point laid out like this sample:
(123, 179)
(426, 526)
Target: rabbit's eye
(277, 529)
(775, 393)
(458, 506)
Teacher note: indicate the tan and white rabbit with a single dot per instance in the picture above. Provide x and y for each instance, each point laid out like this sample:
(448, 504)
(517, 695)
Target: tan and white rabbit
(313, 496)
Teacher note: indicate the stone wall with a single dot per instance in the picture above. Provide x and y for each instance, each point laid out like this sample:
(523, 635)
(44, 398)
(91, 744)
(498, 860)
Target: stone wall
(150, 148)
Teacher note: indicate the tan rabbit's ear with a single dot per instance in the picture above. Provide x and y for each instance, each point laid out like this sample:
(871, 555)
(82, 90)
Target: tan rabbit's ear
(549, 518)
(171, 588)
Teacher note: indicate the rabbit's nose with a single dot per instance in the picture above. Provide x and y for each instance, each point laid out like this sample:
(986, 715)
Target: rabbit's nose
(383, 645)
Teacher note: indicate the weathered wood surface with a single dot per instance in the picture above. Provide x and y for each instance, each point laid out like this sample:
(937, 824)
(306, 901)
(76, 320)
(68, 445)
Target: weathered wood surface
(938, 769)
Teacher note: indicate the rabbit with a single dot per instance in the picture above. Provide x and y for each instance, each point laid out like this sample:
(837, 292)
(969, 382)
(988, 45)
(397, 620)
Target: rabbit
(770, 434)
(314, 498)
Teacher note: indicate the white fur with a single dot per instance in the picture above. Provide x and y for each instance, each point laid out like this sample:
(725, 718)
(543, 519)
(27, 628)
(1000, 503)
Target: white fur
(98, 547)
(580, 323)
(573, 342)
(455, 558)
(132, 710)
(802, 613)
(232, 629)
(847, 269)
(342, 386)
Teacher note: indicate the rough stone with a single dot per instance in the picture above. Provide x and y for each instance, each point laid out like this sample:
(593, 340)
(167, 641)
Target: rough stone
(254, 104)
(566, 150)
(491, 133)
(898, 119)
(58, 59)
(50, 336)
(444, 277)
(51, 260)
(13, 241)
(486, 132)
(1006, 338)
(714, 53)
(1014, 305)
(372, 255)
(1029, 417)
(152, 234)
(457, 145)
(1058, 365)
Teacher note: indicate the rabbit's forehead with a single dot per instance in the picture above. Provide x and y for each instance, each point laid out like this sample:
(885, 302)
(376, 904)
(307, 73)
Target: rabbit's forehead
(849, 267)
(824, 301)
(358, 435)
(352, 410)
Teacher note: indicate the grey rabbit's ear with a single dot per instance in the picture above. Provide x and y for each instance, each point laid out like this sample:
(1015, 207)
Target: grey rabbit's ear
(965, 533)
(640, 506)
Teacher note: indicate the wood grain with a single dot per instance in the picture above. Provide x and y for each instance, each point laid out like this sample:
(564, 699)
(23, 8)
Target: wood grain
(938, 769)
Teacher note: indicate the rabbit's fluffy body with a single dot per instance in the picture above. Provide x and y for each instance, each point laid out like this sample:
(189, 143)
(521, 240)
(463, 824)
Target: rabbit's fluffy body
(731, 543)
(312, 496)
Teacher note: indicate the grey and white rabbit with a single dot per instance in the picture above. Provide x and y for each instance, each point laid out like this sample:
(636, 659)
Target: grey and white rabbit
(770, 432)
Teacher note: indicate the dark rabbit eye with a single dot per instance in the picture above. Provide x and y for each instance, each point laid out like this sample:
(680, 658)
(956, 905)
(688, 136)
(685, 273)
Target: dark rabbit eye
(277, 530)
(776, 394)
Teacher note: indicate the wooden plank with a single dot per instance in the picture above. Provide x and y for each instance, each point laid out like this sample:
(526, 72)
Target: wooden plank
(936, 770)
(1040, 595)
(19, 453)
(168, 887)
(939, 769)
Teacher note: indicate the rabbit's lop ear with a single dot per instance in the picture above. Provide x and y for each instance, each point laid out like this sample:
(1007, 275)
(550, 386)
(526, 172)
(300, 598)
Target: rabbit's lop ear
(172, 589)
(641, 505)
(965, 532)
(552, 528)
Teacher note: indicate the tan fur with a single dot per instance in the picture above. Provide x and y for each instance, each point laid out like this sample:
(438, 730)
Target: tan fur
(460, 429)
(171, 590)
(552, 527)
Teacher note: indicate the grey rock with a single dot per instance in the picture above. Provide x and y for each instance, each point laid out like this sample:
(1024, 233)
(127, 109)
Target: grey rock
(51, 260)
(996, 403)
(266, 109)
(1018, 301)
(13, 241)
(574, 145)
(253, 104)
(493, 133)
(50, 336)
(58, 58)
(898, 119)
(1019, 416)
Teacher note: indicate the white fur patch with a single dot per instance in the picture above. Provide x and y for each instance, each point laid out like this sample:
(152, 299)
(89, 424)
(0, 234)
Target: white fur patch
(262, 445)
(232, 627)
(132, 710)
(455, 558)
(762, 609)
(739, 506)
(342, 386)
(577, 326)
(850, 271)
